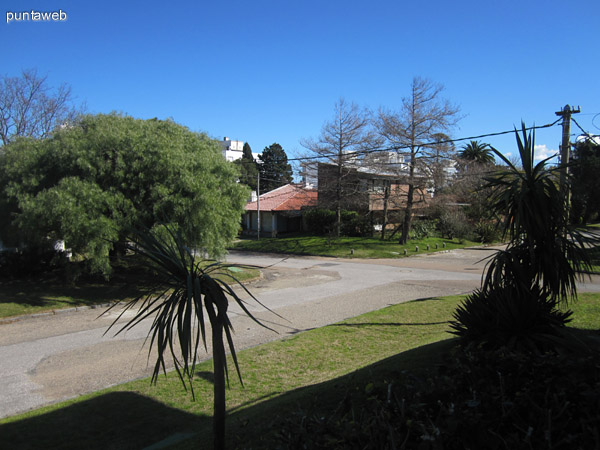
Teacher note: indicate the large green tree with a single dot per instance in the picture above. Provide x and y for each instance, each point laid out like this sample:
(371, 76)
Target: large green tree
(274, 168)
(89, 182)
(248, 168)
(476, 152)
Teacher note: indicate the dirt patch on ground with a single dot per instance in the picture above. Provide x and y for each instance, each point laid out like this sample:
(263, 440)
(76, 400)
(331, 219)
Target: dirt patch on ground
(280, 278)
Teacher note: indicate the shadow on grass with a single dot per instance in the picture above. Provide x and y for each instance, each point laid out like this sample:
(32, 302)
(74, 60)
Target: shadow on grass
(127, 420)
(258, 425)
(118, 420)
(25, 297)
(40, 294)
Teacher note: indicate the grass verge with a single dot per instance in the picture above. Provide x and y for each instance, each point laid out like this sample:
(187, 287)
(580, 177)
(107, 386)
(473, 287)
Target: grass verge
(50, 292)
(283, 378)
(348, 247)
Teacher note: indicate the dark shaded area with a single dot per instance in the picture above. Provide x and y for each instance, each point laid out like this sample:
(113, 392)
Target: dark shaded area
(42, 292)
(277, 423)
(208, 376)
(118, 420)
(129, 280)
(471, 396)
(449, 398)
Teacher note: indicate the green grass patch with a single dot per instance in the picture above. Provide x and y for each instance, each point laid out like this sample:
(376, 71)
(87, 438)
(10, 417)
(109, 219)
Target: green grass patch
(348, 247)
(20, 297)
(50, 292)
(313, 368)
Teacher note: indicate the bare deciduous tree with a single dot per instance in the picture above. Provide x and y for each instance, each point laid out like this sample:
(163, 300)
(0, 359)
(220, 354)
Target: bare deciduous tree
(440, 157)
(424, 114)
(31, 108)
(342, 143)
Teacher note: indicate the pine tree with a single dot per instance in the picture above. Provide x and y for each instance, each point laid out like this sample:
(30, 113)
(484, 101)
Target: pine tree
(248, 168)
(274, 168)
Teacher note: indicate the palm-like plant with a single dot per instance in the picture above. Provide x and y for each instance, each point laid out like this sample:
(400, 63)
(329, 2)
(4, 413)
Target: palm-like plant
(185, 288)
(542, 262)
(477, 152)
(543, 246)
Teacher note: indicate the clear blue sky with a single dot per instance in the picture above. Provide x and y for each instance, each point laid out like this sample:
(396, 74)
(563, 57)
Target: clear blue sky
(271, 71)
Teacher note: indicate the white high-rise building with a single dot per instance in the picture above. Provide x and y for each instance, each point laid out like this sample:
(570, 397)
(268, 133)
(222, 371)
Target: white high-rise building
(232, 150)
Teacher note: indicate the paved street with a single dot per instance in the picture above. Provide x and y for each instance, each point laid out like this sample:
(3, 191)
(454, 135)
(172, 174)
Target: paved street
(52, 358)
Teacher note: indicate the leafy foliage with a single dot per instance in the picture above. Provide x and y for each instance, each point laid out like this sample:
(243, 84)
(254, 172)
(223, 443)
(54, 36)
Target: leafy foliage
(475, 399)
(323, 222)
(454, 223)
(89, 182)
(586, 189)
(543, 249)
(248, 168)
(515, 317)
(274, 168)
(476, 152)
(527, 283)
(486, 232)
(319, 221)
(422, 228)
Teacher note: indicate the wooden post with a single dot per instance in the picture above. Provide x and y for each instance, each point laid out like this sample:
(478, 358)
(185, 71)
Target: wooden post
(258, 207)
(565, 155)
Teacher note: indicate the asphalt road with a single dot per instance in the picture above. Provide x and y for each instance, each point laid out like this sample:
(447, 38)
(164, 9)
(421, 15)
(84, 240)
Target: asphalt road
(52, 358)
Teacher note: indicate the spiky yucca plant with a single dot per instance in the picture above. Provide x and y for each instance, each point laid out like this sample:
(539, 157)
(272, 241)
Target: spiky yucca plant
(184, 290)
(527, 283)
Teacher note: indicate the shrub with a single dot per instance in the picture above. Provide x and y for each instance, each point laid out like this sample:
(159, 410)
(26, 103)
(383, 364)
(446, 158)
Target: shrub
(422, 229)
(477, 399)
(353, 224)
(454, 224)
(514, 316)
(525, 284)
(486, 232)
(322, 221)
(319, 221)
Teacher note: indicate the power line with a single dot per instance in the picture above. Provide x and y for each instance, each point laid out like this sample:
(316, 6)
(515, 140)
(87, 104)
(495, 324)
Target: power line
(591, 136)
(430, 144)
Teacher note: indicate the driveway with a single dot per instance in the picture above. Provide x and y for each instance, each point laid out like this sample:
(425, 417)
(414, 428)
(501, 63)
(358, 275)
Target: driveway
(52, 358)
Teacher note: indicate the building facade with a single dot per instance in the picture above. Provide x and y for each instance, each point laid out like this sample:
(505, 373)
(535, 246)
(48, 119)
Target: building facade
(232, 150)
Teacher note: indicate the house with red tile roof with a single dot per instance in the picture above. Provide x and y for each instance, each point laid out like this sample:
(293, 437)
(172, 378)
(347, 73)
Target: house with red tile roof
(280, 210)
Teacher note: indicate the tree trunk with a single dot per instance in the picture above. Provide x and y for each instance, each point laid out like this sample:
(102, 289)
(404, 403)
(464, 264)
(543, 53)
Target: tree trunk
(407, 214)
(118, 251)
(409, 197)
(218, 386)
(338, 197)
(386, 197)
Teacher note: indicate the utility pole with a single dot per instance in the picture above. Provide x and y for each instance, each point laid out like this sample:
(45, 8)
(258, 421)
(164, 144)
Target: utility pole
(565, 153)
(258, 206)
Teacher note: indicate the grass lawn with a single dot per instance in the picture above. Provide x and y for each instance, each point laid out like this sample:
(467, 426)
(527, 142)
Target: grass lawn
(50, 292)
(317, 367)
(347, 247)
